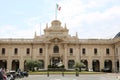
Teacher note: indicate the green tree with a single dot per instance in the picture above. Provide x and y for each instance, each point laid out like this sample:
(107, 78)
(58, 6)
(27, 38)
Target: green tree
(31, 64)
(37, 63)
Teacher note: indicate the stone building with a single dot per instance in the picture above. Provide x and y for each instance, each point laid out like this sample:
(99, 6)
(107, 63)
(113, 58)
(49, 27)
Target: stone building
(56, 45)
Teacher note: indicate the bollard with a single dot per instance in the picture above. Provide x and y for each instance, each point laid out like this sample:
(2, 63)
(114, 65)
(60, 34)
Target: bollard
(47, 73)
(77, 73)
(62, 73)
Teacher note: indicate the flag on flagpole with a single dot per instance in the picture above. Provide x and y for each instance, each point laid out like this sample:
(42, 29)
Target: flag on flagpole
(58, 7)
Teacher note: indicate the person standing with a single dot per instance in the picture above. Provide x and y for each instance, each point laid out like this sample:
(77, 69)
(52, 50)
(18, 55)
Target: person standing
(3, 72)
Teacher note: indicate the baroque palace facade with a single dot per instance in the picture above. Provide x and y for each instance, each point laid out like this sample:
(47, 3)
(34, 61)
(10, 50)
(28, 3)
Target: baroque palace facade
(56, 45)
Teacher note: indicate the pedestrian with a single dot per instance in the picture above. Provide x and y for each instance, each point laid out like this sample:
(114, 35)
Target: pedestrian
(1, 75)
(3, 72)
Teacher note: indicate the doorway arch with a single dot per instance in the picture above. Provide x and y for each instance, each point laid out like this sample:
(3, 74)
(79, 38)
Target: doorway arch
(3, 64)
(108, 64)
(96, 65)
(85, 63)
(15, 65)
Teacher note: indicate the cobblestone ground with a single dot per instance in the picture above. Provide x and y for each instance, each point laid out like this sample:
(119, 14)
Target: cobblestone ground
(73, 77)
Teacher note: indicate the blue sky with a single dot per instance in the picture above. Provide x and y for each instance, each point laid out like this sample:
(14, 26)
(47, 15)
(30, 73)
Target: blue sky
(89, 18)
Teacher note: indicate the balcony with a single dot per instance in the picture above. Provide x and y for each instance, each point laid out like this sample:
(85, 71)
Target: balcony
(55, 54)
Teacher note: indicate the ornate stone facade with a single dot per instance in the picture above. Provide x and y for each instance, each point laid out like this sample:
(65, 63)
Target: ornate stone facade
(56, 45)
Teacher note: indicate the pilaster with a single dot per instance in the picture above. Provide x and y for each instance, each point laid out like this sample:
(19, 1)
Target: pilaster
(9, 64)
(21, 64)
(65, 57)
(46, 56)
(90, 64)
(77, 53)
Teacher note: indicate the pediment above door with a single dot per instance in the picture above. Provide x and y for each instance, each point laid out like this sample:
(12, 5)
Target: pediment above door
(55, 40)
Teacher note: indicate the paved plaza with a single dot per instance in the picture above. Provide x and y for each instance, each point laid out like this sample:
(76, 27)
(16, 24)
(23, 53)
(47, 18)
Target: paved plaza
(109, 76)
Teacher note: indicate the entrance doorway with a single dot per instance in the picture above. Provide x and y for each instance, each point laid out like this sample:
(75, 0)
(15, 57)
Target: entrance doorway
(15, 65)
(3, 63)
(55, 60)
(96, 65)
(117, 65)
(108, 64)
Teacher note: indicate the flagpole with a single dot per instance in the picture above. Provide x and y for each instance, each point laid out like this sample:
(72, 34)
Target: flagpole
(56, 12)
(40, 29)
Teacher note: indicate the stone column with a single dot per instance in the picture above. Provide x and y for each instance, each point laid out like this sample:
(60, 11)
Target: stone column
(114, 61)
(32, 50)
(77, 53)
(89, 64)
(9, 60)
(21, 59)
(116, 69)
(101, 63)
(9, 64)
(46, 56)
(118, 52)
(119, 64)
(113, 65)
(65, 57)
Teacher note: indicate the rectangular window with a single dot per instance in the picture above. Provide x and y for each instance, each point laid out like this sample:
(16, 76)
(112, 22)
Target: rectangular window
(107, 51)
(71, 50)
(40, 50)
(15, 50)
(95, 51)
(3, 51)
(83, 51)
(28, 50)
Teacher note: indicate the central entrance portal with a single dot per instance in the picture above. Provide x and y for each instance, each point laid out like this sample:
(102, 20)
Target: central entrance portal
(55, 60)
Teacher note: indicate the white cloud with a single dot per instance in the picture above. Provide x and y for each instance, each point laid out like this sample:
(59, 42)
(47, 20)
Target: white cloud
(12, 31)
(36, 24)
(31, 21)
(76, 14)
(90, 18)
(115, 10)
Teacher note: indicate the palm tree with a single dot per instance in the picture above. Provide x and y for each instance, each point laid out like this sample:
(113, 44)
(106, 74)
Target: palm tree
(78, 65)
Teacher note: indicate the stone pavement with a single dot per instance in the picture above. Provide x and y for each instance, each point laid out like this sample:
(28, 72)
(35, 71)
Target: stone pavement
(110, 76)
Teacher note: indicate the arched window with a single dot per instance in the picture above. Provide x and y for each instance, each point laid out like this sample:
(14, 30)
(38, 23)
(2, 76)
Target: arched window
(56, 49)
(85, 63)
(108, 64)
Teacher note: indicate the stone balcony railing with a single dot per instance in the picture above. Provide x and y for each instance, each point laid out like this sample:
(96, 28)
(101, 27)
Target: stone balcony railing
(56, 54)
(16, 40)
(11, 39)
